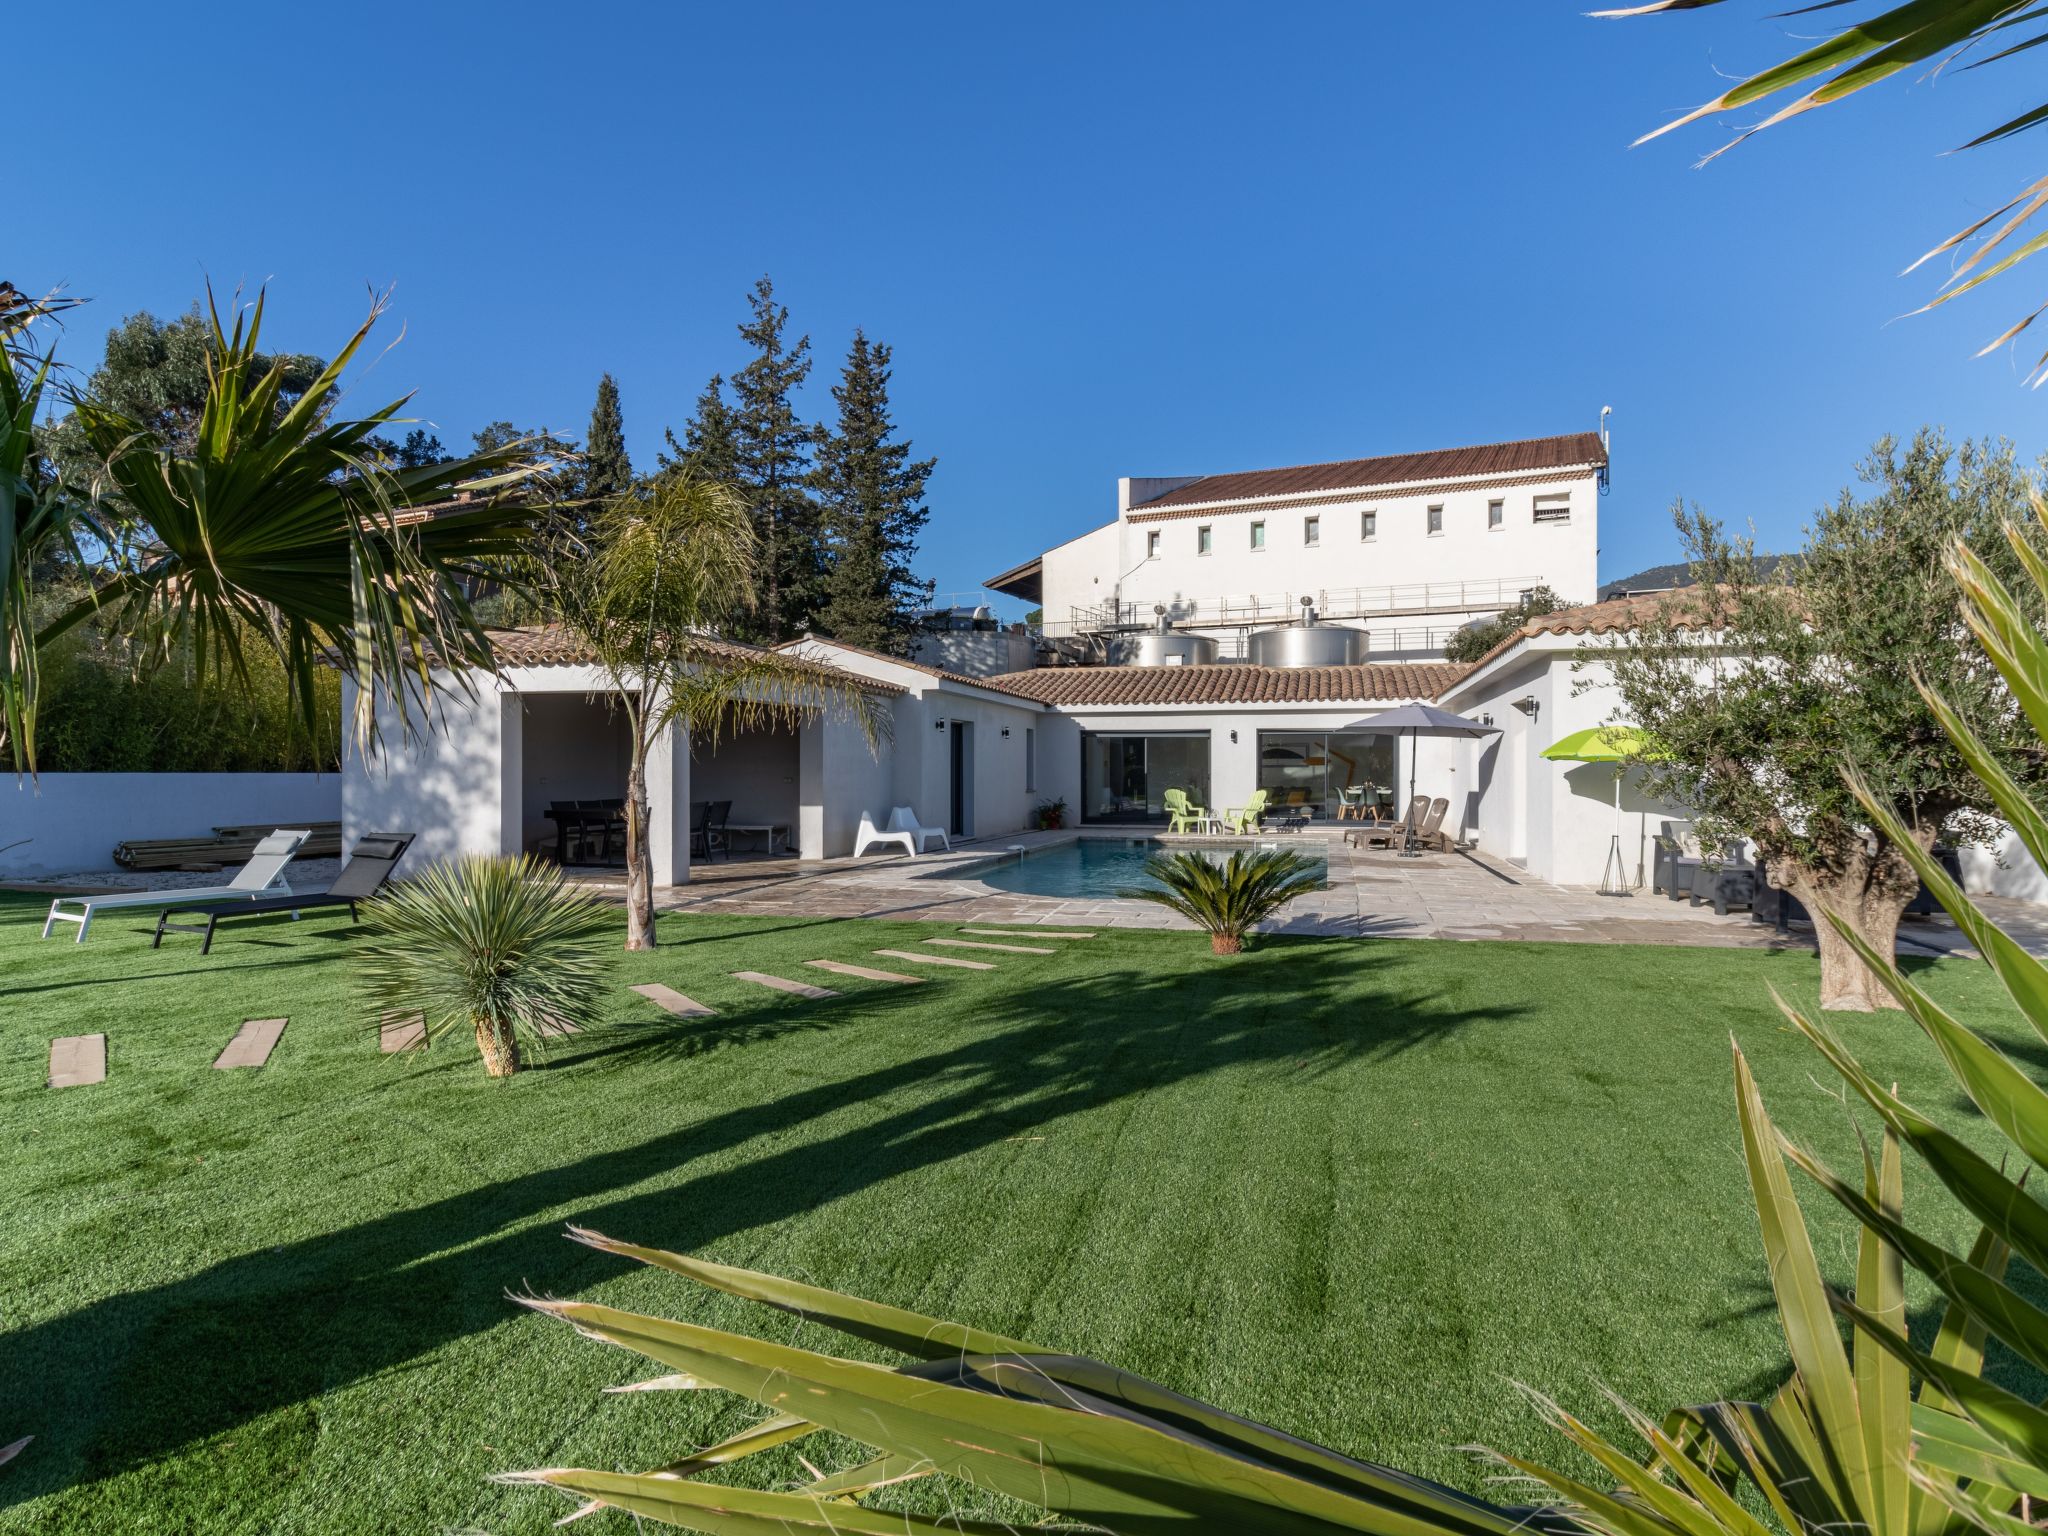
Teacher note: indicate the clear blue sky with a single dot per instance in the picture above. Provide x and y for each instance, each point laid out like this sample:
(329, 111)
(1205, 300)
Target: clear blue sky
(1103, 240)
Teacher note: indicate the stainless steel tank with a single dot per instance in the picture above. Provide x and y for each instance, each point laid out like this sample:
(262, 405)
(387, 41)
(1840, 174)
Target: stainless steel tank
(1307, 645)
(1158, 648)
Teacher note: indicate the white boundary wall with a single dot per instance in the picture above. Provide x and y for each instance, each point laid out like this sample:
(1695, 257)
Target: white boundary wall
(73, 820)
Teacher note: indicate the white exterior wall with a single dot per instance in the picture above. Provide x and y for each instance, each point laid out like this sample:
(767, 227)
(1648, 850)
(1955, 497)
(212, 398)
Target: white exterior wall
(1081, 573)
(446, 787)
(919, 774)
(1555, 819)
(2004, 869)
(71, 821)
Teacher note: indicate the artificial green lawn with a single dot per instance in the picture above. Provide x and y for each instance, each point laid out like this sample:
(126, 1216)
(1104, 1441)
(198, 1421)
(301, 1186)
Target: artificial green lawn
(1353, 1188)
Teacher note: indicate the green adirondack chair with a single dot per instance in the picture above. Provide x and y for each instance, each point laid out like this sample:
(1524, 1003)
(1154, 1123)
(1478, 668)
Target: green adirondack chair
(1248, 818)
(1181, 816)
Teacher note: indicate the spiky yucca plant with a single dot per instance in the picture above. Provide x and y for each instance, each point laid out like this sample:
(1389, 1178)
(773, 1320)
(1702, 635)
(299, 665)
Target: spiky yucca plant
(1226, 900)
(498, 948)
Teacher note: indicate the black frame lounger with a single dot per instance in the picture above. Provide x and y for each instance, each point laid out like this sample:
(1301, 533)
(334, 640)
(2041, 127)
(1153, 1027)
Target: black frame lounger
(368, 870)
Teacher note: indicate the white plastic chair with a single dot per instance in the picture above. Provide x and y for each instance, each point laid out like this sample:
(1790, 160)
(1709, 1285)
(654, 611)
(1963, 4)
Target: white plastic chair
(870, 835)
(904, 819)
(263, 873)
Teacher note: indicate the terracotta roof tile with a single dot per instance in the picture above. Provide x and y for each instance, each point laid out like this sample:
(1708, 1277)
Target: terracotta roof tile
(1230, 683)
(1535, 453)
(1617, 615)
(552, 645)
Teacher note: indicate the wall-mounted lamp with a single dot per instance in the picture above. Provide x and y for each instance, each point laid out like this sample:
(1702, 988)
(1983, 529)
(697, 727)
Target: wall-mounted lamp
(939, 724)
(1233, 738)
(1006, 733)
(1527, 705)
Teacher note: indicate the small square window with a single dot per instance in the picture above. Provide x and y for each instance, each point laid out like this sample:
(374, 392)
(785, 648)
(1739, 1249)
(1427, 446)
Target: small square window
(1312, 530)
(1368, 525)
(1152, 545)
(1436, 519)
(1205, 539)
(1496, 514)
(1554, 508)
(1258, 535)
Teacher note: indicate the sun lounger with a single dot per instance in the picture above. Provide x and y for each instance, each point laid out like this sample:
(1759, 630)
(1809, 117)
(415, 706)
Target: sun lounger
(904, 819)
(368, 871)
(263, 874)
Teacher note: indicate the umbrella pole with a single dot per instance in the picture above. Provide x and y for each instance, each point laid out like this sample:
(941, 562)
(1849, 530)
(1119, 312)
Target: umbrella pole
(1408, 850)
(1614, 874)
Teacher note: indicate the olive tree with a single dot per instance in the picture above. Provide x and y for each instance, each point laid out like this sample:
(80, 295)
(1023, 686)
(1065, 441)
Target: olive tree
(1758, 687)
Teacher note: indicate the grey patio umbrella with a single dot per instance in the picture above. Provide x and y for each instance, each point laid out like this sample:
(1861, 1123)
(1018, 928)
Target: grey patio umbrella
(1415, 720)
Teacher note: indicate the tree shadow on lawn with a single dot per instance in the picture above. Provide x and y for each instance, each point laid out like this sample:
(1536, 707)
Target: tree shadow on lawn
(132, 1378)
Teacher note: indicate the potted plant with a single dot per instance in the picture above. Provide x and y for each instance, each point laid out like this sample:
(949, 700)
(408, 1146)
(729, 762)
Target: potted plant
(1052, 815)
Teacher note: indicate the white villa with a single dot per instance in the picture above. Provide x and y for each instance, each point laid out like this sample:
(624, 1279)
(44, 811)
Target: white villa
(1229, 691)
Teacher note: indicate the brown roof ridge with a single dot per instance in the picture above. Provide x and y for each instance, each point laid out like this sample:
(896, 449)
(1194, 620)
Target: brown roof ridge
(1225, 683)
(1614, 615)
(1471, 459)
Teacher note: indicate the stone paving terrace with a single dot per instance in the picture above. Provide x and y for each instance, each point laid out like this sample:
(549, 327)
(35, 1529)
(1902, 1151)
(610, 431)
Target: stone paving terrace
(1371, 892)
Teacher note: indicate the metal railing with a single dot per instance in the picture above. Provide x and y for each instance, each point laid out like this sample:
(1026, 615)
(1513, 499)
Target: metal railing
(1410, 599)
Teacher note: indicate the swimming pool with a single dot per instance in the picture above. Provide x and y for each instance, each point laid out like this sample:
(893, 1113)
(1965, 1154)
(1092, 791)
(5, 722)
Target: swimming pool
(1093, 867)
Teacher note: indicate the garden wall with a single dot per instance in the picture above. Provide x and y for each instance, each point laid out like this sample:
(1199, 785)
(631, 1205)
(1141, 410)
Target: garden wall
(73, 820)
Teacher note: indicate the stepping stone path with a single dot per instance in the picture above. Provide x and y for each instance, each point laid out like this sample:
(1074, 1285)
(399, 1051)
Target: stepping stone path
(252, 1044)
(965, 965)
(674, 1001)
(1034, 933)
(1015, 949)
(800, 988)
(866, 973)
(76, 1060)
(401, 1032)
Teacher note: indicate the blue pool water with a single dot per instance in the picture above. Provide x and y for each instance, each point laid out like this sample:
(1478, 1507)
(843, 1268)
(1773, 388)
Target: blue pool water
(1091, 866)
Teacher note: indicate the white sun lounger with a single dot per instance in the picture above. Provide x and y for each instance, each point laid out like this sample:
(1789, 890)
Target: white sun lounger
(263, 874)
(904, 819)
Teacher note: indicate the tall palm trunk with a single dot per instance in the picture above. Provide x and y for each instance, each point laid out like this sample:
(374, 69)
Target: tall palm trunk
(498, 1046)
(639, 862)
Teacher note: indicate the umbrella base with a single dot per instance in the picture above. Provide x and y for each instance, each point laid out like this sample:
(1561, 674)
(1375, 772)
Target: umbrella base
(1614, 878)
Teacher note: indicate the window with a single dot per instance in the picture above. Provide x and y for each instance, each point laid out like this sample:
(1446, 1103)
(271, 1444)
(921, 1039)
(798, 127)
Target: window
(1030, 760)
(1258, 535)
(1436, 519)
(1554, 509)
(1205, 539)
(1152, 545)
(1368, 525)
(1312, 530)
(1496, 513)
(1325, 775)
(1125, 778)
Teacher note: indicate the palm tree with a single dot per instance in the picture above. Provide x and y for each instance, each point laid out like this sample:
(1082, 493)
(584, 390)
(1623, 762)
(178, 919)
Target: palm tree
(1227, 900)
(1897, 37)
(279, 521)
(497, 948)
(662, 573)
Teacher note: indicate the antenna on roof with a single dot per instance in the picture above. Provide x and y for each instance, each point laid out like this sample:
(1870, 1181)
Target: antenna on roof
(1606, 444)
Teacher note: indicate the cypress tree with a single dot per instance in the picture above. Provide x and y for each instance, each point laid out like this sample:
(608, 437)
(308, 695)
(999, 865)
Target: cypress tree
(771, 463)
(607, 471)
(706, 445)
(872, 497)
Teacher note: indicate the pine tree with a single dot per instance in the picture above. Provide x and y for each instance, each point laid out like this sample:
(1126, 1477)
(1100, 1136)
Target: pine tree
(706, 445)
(872, 496)
(771, 468)
(607, 471)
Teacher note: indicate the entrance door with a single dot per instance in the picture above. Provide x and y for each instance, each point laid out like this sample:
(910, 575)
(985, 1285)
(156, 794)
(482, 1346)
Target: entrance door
(960, 821)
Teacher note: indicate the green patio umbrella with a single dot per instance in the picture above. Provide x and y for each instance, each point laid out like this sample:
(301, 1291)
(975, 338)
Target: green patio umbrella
(1619, 745)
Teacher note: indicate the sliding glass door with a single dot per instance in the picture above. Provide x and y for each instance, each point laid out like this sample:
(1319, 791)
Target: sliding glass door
(1125, 778)
(1318, 773)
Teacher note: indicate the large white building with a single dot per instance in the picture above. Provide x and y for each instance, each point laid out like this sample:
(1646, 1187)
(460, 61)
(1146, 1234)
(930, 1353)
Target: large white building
(1407, 547)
